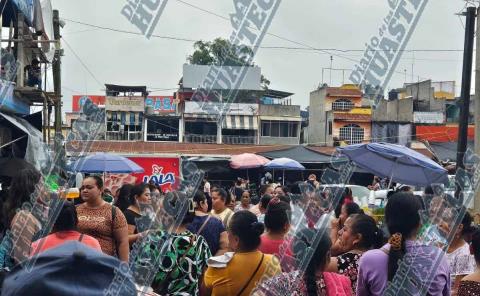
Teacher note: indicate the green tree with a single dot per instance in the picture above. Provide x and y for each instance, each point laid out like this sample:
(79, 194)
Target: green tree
(222, 52)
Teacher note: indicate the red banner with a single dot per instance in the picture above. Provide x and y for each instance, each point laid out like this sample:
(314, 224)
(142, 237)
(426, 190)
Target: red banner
(77, 101)
(162, 171)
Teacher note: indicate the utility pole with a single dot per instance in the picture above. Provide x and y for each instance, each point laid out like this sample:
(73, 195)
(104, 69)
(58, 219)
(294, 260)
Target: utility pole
(465, 93)
(477, 108)
(57, 83)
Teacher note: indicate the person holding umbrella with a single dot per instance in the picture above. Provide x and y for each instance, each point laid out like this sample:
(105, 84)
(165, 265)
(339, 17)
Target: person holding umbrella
(101, 220)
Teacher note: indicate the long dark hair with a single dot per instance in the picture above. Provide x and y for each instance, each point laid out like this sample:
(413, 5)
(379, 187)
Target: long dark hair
(245, 225)
(401, 205)
(22, 186)
(372, 236)
(302, 243)
(137, 190)
(123, 199)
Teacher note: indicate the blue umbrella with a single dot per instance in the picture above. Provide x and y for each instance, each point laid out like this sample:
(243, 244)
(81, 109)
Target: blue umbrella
(399, 163)
(284, 164)
(105, 163)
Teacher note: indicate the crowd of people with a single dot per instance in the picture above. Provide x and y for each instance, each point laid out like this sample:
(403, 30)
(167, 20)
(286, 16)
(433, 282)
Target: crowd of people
(290, 241)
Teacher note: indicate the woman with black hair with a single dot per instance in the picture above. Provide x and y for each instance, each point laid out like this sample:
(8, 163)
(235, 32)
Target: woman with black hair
(358, 235)
(458, 253)
(64, 230)
(209, 227)
(336, 225)
(102, 220)
(183, 255)
(24, 227)
(277, 224)
(470, 284)
(140, 194)
(379, 266)
(123, 199)
(237, 273)
(314, 244)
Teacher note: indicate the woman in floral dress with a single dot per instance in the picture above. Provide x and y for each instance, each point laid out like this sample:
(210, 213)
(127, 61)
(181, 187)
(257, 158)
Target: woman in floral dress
(359, 234)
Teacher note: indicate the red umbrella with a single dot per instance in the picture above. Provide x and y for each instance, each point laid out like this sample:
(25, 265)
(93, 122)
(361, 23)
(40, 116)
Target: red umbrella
(247, 161)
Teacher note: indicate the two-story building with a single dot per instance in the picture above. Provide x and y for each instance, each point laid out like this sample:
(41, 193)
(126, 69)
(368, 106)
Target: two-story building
(338, 114)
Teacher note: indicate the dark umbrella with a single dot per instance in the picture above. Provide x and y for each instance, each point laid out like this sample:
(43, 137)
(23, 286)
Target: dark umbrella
(11, 167)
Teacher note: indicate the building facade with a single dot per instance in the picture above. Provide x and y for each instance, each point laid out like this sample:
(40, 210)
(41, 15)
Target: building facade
(338, 114)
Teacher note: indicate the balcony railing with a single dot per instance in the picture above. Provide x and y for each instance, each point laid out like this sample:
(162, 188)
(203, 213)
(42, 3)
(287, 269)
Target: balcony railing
(193, 138)
(239, 140)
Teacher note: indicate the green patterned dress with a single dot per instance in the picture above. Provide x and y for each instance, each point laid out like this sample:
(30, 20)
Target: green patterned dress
(178, 273)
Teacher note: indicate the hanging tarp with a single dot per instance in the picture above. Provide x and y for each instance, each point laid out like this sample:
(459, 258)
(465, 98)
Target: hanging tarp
(37, 152)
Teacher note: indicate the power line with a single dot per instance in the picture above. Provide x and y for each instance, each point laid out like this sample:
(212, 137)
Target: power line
(81, 62)
(309, 48)
(128, 32)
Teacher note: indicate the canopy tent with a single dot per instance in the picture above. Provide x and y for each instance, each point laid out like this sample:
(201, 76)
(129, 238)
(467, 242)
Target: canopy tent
(447, 151)
(301, 154)
(398, 163)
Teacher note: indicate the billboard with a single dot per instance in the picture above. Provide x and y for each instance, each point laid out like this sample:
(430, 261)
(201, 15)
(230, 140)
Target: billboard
(129, 104)
(77, 101)
(194, 76)
(161, 104)
(162, 171)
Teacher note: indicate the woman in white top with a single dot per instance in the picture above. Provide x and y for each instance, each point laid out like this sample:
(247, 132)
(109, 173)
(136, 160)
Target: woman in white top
(461, 261)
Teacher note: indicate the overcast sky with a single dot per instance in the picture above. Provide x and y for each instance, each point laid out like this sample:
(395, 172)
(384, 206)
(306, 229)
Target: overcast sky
(121, 58)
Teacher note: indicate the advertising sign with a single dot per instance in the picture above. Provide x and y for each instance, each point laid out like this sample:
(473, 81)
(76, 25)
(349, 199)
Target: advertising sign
(161, 104)
(78, 101)
(132, 104)
(233, 108)
(162, 171)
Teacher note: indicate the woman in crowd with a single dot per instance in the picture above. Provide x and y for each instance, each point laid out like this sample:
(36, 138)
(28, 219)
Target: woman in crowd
(140, 194)
(263, 204)
(277, 224)
(185, 254)
(64, 229)
(244, 202)
(315, 280)
(379, 266)
(220, 200)
(280, 191)
(458, 253)
(470, 284)
(337, 224)
(358, 235)
(209, 227)
(264, 190)
(238, 274)
(123, 199)
(23, 225)
(345, 199)
(101, 220)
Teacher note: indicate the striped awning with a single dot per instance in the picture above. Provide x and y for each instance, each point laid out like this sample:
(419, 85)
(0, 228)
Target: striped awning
(244, 122)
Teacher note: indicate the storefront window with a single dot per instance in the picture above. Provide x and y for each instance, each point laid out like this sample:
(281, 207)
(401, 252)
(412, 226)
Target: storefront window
(162, 129)
(282, 129)
(123, 126)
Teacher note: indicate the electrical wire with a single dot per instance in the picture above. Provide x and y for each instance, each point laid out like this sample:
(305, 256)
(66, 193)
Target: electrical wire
(81, 62)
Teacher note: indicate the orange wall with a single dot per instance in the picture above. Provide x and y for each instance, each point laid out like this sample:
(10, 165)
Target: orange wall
(443, 133)
(365, 125)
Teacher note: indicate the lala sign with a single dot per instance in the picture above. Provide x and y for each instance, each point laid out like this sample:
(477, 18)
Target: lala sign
(158, 177)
